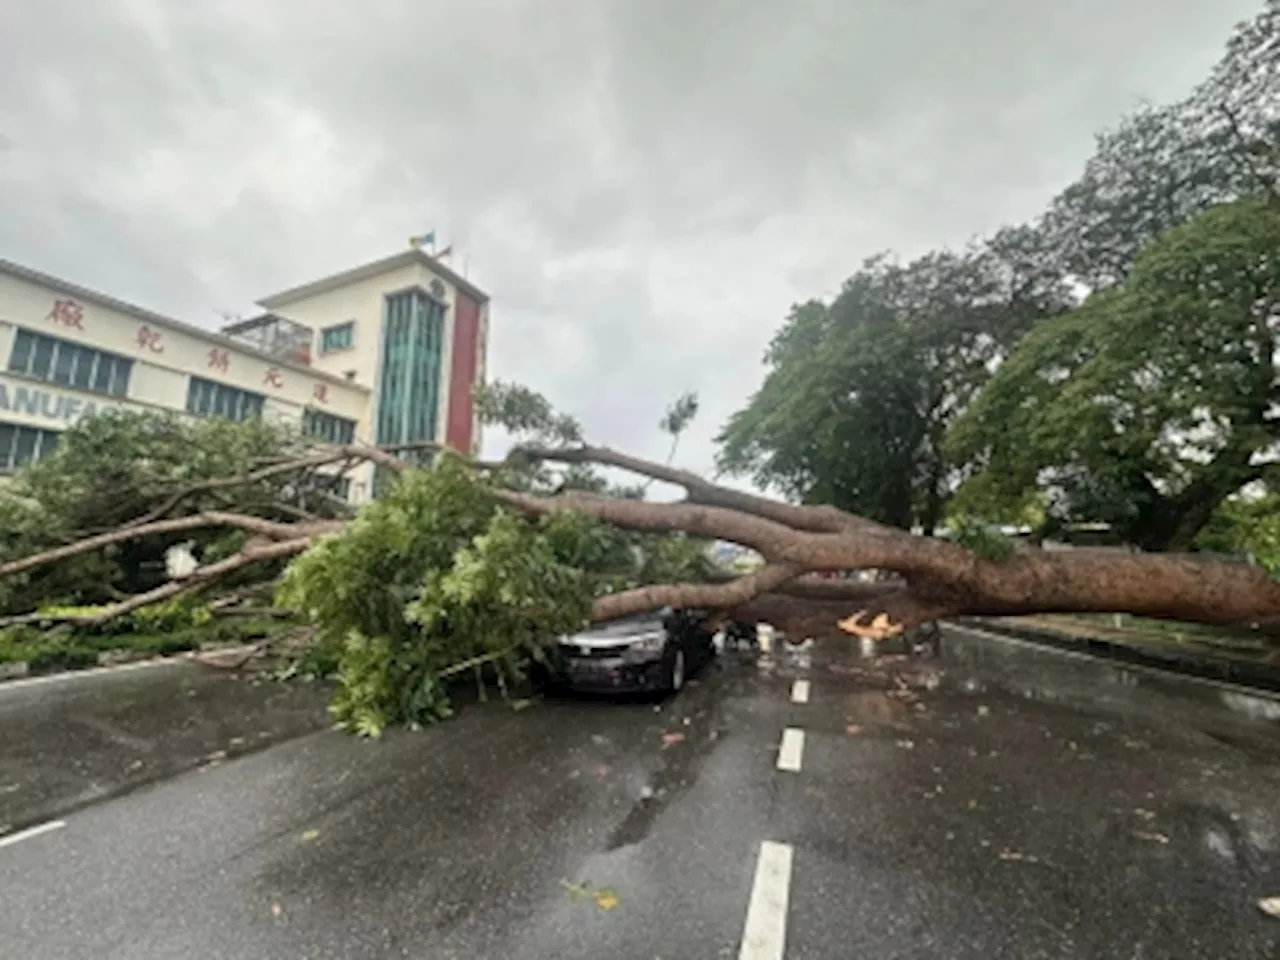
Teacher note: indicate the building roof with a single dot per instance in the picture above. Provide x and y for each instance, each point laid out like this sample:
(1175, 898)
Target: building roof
(355, 274)
(111, 303)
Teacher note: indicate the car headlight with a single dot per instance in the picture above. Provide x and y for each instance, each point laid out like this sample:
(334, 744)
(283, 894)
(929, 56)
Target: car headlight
(649, 643)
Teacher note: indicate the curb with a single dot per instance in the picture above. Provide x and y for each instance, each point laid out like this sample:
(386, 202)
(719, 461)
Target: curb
(1257, 676)
(18, 673)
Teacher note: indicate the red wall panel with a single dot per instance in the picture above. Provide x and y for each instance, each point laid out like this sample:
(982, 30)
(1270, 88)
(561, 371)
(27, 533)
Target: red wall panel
(462, 371)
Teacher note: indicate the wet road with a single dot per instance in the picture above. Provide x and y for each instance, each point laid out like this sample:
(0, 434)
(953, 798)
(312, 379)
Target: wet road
(997, 803)
(71, 739)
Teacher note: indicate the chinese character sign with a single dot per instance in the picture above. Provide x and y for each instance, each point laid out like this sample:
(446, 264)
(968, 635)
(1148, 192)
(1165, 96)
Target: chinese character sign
(149, 339)
(219, 360)
(67, 313)
(321, 392)
(273, 378)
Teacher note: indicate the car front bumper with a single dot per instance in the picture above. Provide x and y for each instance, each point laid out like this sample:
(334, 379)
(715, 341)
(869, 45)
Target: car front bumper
(605, 674)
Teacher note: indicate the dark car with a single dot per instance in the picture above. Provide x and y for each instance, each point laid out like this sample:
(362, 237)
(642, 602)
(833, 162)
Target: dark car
(651, 652)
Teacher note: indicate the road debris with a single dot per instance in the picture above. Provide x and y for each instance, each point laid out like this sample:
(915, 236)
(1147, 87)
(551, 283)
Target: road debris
(853, 729)
(605, 898)
(669, 738)
(1270, 906)
(1152, 836)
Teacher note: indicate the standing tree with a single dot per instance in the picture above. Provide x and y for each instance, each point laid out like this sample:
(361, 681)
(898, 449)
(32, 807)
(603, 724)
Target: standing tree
(1154, 401)
(860, 392)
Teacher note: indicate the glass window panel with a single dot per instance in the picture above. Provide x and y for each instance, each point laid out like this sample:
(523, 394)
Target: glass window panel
(82, 374)
(42, 357)
(25, 450)
(7, 435)
(102, 374)
(24, 344)
(63, 359)
(120, 379)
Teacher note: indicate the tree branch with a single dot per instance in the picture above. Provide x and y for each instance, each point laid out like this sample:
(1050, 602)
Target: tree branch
(198, 578)
(698, 490)
(717, 595)
(197, 521)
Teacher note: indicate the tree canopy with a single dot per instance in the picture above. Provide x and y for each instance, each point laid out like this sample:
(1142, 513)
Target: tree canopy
(1154, 400)
(1132, 326)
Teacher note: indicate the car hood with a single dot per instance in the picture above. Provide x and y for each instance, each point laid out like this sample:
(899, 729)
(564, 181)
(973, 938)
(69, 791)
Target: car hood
(619, 633)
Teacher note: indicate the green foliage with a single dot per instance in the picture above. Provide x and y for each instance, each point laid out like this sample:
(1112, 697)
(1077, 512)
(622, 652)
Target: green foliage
(1248, 525)
(859, 391)
(1148, 405)
(525, 412)
(680, 414)
(978, 536)
(430, 576)
(1163, 166)
(117, 466)
(434, 578)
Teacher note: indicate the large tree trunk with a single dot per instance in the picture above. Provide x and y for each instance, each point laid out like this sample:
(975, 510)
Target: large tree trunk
(934, 579)
(938, 579)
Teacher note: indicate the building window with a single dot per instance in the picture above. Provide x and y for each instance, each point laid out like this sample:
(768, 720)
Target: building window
(339, 337)
(22, 445)
(409, 390)
(327, 427)
(206, 398)
(69, 364)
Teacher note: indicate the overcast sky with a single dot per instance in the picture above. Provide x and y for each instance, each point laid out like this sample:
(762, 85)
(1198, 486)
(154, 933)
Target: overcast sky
(644, 186)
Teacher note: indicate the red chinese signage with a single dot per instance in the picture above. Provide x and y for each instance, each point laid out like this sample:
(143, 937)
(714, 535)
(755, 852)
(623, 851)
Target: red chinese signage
(273, 378)
(149, 339)
(321, 392)
(219, 359)
(67, 313)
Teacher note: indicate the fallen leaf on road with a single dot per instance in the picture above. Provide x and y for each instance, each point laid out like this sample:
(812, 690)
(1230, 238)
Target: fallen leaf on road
(853, 729)
(606, 899)
(310, 834)
(1270, 906)
(670, 738)
(1154, 837)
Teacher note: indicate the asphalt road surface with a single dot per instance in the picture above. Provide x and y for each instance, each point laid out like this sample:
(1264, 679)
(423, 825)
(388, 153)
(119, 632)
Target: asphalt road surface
(998, 802)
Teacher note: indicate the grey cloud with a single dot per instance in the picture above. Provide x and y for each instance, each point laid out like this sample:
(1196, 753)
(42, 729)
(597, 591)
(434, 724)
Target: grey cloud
(643, 186)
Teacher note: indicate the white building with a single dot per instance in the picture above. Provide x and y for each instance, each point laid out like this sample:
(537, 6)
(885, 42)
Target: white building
(385, 353)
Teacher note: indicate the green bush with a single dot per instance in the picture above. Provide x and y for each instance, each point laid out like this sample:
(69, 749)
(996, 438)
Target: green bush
(430, 576)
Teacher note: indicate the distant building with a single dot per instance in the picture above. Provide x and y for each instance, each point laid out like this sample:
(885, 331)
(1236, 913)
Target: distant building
(384, 353)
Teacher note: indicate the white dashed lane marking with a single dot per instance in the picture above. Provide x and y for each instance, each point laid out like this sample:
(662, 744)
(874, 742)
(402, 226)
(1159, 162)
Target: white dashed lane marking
(764, 937)
(31, 832)
(791, 753)
(800, 691)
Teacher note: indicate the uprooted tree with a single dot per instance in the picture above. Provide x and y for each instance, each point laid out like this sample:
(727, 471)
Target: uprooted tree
(471, 563)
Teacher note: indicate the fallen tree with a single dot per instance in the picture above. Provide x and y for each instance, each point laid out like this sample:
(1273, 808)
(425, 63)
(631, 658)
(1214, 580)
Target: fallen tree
(475, 563)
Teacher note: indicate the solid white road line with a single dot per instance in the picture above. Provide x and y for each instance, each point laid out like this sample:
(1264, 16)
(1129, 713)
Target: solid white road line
(800, 691)
(791, 753)
(31, 832)
(764, 937)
